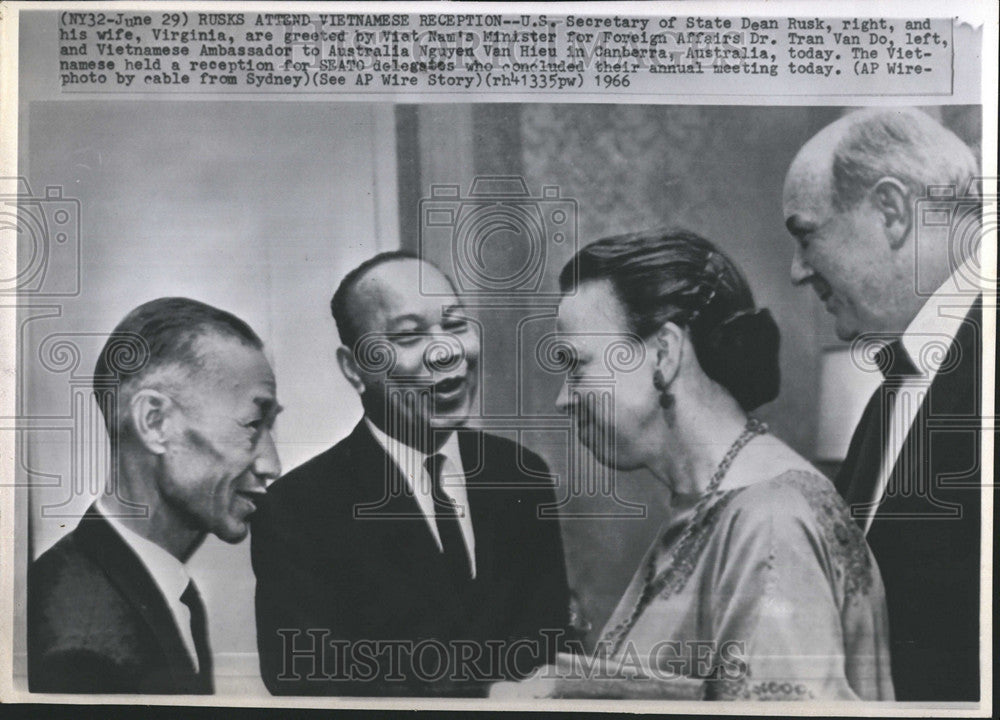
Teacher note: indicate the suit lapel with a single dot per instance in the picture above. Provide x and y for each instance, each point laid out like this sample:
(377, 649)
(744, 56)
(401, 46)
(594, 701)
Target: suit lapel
(945, 397)
(388, 501)
(385, 498)
(124, 569)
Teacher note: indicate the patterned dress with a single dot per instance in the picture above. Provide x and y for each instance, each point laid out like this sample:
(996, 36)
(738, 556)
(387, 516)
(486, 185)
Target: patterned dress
(775, 596)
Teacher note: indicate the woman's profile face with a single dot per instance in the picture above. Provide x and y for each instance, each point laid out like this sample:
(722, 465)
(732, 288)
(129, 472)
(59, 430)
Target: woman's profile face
(608, 389)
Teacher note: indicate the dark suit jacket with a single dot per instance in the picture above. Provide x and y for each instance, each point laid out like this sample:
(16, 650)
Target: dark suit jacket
(925, 535)
(97, 622)
(356, 586)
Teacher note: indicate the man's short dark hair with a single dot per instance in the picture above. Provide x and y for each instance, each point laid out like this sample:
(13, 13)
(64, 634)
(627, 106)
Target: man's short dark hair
(343, 315)
(157, 334)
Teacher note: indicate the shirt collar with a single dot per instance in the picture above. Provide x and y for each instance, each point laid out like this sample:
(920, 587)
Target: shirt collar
(942, 315)
(168, 572)
(411, 460)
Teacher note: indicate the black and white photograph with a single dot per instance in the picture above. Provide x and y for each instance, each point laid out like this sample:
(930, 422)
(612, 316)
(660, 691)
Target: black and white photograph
(621, 357)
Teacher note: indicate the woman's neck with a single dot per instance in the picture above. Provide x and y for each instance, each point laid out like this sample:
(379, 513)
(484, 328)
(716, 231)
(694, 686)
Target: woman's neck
(695, 443)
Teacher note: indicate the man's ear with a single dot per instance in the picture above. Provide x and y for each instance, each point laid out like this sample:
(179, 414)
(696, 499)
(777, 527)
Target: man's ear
(669, 350)
(892, 199)
(149, 412)
(349, 366)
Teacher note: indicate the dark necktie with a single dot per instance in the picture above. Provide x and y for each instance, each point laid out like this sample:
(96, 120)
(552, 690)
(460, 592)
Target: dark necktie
(199, 631)
(446, 513)
(894, 362)
(859, 474)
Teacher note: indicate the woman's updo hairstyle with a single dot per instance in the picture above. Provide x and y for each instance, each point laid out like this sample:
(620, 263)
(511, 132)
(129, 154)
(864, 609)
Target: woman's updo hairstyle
(677, 276)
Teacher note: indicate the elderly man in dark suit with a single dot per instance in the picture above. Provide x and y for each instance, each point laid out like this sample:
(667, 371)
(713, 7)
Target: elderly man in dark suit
(887, 220)
(111, 608)
(411, 557)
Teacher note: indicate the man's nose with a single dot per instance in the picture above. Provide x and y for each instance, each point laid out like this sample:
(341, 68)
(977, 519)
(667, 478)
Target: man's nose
(267, 465)
(563, 398)
(801, 271)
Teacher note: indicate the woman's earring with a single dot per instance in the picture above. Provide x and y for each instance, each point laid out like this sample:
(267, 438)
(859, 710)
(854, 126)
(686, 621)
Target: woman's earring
(663, 387)
(661, 383)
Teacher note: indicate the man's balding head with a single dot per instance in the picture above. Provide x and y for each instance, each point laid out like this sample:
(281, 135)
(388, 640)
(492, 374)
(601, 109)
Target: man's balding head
(852, 154)
(348, 307)
(408, 347)
(849, 200)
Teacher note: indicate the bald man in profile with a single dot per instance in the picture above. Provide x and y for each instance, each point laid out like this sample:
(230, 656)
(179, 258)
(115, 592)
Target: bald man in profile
(857, 200)
(411, 558)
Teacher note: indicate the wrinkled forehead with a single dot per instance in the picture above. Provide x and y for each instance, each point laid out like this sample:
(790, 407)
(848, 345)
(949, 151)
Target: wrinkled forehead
(399, 289)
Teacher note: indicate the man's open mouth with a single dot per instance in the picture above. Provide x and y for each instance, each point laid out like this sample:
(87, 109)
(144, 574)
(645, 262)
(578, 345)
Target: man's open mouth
(449, 386)
(250, 497)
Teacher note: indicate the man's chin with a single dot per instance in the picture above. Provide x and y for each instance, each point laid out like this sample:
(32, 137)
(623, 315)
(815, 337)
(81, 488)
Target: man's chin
(845, 332)
(446, 421)
(452, 414)
(845, 325)
(235, 533)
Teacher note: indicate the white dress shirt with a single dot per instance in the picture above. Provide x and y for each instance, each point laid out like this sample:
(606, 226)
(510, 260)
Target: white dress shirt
(169, 574)
(926, 341)
(412, 463)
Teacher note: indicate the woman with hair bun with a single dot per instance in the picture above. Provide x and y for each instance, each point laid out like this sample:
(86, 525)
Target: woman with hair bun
(760, 585)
